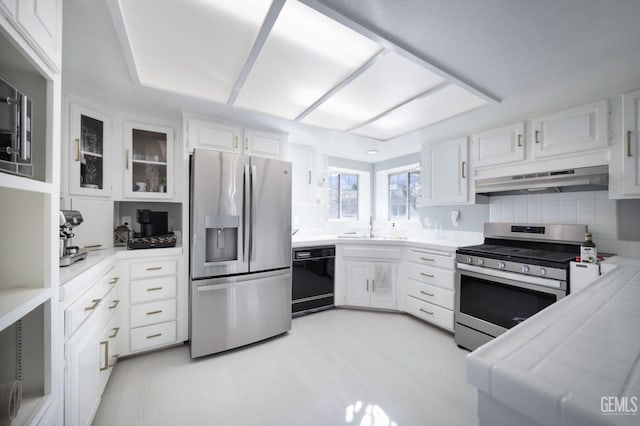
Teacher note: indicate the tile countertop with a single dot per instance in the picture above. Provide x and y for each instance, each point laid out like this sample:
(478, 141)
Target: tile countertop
(436, 244)
(556, 367)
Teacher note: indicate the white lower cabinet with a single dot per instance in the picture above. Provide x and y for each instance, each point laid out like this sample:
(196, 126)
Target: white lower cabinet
(155, 307)
(631, 143)
(91, 323)
(430, 276)
(367, 276)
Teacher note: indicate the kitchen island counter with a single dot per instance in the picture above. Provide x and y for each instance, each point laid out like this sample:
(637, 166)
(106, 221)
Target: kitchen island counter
(575, 363)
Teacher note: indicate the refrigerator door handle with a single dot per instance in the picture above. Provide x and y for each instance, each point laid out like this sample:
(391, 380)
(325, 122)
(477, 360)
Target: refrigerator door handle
(252, 218)
(244, 211)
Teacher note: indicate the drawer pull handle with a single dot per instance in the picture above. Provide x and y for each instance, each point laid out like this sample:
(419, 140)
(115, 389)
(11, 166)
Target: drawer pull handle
(95, 302)
(115, 360)
(426, 312)
(106, 355)
(154, 336)
(155, 268)
(114, 280)
(429, 259)
(426, 294)
(115, 303)
(154, 289)
(154, 312)
(426, 275)
(115, 332)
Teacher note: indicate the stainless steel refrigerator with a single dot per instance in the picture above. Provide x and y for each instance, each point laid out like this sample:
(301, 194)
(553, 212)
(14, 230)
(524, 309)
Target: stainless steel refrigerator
(240, 250)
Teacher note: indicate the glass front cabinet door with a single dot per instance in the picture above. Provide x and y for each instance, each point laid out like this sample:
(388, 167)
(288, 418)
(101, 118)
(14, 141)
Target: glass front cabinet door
(148, 161)
(90, 133)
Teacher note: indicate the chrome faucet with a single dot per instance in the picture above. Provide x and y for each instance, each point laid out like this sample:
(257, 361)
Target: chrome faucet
(370, 226)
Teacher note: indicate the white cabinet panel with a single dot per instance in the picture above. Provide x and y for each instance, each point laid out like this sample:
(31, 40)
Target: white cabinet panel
(631, 142)
(264, 144)
(153, 312)
(302, 158)
(8, 7)
(214, 135)
(97, 227)
(445, 173)
(572, 130)
(357, 282)
(383, 285)
(499, 146)
(42, 21)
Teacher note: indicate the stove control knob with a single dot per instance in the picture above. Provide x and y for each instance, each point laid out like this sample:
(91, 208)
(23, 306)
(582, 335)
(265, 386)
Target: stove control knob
(501, 265)
(469, 259)
(525, 269)
(543, 271)
(480, 262)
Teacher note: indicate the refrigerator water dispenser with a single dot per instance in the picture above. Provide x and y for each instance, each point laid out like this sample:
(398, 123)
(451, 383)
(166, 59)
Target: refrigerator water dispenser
(221, 238)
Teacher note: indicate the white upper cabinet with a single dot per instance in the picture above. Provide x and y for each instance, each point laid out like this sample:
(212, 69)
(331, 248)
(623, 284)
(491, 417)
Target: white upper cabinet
(264, 144)
(302, 158)
(445, 173)
(149, 161)
(40, 23)
(230, 137)
(90, 152)
(571, 130)
(499, 146)
(631, 142)
(214, 135)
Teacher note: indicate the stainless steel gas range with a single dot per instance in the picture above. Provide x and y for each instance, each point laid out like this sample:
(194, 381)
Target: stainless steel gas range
(518, 271)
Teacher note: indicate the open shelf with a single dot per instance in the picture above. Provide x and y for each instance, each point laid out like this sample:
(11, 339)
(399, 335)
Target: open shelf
(15, 303)
(25, 184)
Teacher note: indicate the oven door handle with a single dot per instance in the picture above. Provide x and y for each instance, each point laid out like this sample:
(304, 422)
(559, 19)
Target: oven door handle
(545, 282)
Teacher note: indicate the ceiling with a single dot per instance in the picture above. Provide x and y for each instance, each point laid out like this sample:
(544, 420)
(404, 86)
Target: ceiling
(529, 55)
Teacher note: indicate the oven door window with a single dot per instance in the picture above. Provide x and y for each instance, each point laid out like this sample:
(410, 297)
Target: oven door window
(501, 304)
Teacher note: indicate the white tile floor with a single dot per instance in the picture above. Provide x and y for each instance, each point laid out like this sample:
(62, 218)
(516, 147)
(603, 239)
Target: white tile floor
(337, 367)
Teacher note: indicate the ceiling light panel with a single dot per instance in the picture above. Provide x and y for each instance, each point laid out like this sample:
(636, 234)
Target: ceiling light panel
(437, 106)
(389, 82)
(195, 47)
(305, 56)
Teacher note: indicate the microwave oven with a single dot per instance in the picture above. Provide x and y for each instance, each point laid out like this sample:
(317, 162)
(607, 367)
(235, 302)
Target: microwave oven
(15, 131)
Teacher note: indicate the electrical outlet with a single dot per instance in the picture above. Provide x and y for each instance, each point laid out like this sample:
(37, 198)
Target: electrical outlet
(126, 220)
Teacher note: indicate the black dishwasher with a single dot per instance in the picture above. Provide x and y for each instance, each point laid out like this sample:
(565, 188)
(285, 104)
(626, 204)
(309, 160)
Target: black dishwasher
(313, 272)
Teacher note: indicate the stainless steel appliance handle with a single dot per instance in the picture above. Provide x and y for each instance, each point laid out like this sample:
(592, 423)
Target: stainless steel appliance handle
(512, 276)
(244, 212)
(24, 155)
(252, 218)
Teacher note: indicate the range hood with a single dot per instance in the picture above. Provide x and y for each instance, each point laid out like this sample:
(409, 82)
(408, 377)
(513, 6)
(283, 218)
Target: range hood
(568, 180)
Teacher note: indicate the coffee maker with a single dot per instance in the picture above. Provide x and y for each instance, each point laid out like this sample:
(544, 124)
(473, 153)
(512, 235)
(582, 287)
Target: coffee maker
(69, 254)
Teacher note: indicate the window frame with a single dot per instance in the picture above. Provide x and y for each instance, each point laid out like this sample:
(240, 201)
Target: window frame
(339, 174)
(407, 217)
(382, 195)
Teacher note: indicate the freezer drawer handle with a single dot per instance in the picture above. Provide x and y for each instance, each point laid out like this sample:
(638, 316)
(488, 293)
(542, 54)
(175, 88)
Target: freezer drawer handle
(154, 312)
(426, 312)
(153, 336)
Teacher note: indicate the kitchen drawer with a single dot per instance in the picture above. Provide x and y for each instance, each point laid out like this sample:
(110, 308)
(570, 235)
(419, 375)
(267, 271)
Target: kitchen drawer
(153, 289)
(430, 312)
(431, 293)
(88, 303)
(153, 312)
(430, 275)
(153, 335)
(427, 257)
(372, 252)
(153, 269)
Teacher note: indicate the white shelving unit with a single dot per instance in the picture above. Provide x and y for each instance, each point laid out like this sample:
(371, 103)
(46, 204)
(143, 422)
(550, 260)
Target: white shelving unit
(30, 341)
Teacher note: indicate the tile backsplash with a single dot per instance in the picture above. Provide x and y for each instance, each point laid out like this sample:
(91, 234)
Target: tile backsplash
(593, 209)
